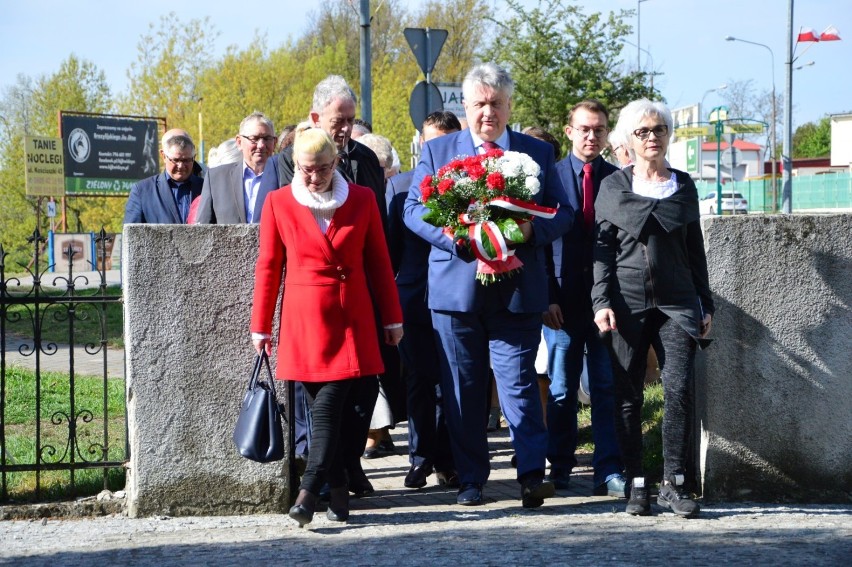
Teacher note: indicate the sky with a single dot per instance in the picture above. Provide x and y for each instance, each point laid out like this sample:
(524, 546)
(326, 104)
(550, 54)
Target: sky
(685, 40)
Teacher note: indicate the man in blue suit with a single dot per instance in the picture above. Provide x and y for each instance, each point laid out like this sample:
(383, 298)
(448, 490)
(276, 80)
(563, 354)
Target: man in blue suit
(569, 322)
(428, 439)
(165, 198)
(231, 192)
(502, 319)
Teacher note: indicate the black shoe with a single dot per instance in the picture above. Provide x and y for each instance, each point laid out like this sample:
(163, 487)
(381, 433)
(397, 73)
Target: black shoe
(448, 479)
(303, 510)
(639, 503)
(338, 506)
(416, 477)
(387, 446)
(470, 494)
(359, 484)
(372, 453)
(533, 492)
(673, 497)
(561, 478)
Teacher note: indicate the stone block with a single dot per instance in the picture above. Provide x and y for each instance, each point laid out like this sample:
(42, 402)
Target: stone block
(188, 294)
(774, 391)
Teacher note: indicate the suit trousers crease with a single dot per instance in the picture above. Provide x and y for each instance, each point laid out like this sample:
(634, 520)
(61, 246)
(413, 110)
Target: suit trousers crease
(511, 339)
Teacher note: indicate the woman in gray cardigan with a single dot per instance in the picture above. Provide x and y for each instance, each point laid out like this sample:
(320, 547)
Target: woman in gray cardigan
(651, 278)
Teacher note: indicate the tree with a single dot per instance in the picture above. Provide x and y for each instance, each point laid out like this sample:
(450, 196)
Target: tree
(558, 55)
(813, 139)
(31, 108)
(164, 78)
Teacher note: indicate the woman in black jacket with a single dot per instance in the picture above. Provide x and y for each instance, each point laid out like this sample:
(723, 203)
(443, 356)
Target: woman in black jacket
(651, 277)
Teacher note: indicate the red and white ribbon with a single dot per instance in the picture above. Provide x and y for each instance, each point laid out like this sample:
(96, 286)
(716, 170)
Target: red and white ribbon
(491, 231)
(519, 206)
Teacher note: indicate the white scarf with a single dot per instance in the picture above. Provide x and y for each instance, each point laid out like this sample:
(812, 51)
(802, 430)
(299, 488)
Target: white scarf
(315, 202)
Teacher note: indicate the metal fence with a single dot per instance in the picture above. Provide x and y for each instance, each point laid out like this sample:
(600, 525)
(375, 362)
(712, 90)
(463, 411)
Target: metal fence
(56, 429)
(825, 192)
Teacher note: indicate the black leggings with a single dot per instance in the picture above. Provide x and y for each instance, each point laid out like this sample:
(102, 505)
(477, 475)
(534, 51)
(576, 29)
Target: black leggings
(679, 348)
(332, 405)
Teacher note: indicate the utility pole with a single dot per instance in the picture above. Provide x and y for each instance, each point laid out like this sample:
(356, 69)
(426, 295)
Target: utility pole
(366, 68)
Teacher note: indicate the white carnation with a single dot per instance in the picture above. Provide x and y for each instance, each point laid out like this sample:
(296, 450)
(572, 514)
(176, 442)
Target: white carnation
(532, 184)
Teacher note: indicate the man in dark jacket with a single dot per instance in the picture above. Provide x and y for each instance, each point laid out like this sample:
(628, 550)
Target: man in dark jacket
(570, 330)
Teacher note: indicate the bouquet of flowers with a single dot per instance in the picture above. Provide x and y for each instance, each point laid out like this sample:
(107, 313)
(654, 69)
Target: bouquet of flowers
(481, 201)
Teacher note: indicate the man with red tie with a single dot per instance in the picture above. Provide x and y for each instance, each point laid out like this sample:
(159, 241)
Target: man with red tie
(498, 324)
(569, 329)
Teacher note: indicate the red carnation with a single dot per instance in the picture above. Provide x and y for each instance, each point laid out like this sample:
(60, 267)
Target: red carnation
(445, 185)
(475, 170)
(496, 181)
(426, 192)
(427, 181)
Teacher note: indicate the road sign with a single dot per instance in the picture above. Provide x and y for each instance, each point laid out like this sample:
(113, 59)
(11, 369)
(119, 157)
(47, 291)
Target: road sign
(426, 45)
(718, 114)
(425, 99)
(731, 156)
(692, 155)
(692, 131)
(743, 128)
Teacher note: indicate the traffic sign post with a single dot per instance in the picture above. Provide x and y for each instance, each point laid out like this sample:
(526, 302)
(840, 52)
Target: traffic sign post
(426, 45)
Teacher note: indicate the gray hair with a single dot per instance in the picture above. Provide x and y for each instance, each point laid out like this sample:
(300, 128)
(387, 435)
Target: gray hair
(381, 146)
(258, 117)
(330, 89)
(489, 75)
(632, 114)
(226, 152)
(178, 141)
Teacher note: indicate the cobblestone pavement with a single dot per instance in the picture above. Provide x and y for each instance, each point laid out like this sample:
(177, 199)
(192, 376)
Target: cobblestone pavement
(398, 526)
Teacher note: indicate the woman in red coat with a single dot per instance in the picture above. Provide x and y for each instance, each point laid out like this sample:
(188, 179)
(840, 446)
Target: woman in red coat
(325, 237)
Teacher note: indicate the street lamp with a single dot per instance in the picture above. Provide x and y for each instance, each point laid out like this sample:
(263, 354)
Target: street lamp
(774, 116)
(639, 32)
(808, 64)
(721, 87)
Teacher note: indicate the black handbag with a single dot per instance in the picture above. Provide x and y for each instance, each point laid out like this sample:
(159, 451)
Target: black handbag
(258, 434)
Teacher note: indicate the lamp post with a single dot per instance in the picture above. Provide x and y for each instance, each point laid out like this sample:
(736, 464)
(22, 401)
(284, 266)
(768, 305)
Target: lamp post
(802, 66)
(773, 143)
(639, 33)
(721, 87)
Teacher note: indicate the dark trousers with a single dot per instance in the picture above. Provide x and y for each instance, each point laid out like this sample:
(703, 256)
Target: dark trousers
(679, 348)
(335, 420)
(428, 438)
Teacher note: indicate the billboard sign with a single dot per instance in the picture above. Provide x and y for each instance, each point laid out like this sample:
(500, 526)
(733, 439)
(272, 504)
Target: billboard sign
(106, 155)
(451, 95)
(684, 117)
(43, 173)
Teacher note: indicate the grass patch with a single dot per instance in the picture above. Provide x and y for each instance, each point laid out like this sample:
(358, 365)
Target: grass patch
(652, 428)
(92, 322)
(20, 421)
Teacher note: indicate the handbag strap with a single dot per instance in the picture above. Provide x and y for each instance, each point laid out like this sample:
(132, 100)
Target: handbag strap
(263, 361)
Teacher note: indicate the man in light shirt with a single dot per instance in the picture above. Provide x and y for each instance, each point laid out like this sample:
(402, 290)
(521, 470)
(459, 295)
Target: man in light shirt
(232, 193)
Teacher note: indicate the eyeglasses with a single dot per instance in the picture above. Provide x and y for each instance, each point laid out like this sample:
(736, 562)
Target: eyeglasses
(321, 171)
(255, 140)
(179, 161)
(584, 131)
(659, 131)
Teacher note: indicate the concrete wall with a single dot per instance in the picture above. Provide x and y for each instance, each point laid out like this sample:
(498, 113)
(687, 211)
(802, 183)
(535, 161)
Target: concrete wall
(188, 293)
(774, 392)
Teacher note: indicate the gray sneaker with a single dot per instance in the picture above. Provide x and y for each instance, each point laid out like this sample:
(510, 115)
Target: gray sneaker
(673, 497)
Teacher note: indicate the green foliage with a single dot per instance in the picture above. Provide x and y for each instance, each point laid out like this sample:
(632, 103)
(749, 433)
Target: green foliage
(558, 56)
(171, 58)
(813, 140)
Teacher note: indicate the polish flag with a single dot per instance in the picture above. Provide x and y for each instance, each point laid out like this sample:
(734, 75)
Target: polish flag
(830, 34)
(807, 34)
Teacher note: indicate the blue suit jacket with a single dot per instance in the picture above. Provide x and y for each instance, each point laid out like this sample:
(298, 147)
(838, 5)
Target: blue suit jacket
(151, 200)
(452, 270)
(570, 258)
